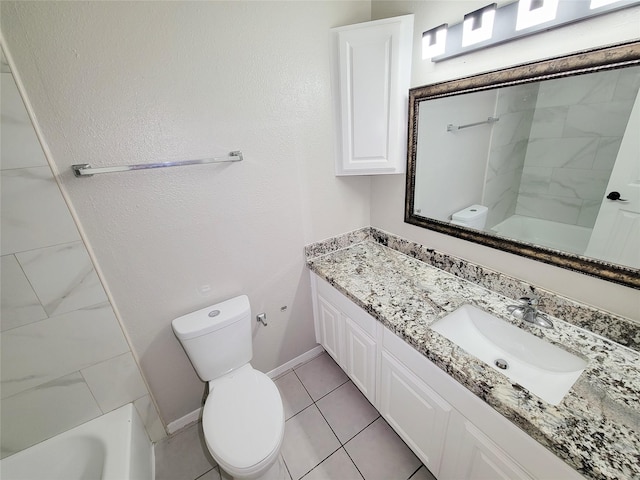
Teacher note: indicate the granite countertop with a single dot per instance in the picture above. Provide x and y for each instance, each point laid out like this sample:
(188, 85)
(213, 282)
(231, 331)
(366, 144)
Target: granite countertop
(595, 429)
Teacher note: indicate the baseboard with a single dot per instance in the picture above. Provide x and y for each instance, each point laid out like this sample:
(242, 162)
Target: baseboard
(182, 422)
(194, 416)
(299, 360)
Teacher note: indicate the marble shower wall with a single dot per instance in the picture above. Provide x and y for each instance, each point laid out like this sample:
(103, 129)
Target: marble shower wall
(515, 108)
(574, 141)
(64, 357)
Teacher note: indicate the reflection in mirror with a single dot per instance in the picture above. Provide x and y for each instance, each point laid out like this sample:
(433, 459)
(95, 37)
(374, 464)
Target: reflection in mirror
(543, 167)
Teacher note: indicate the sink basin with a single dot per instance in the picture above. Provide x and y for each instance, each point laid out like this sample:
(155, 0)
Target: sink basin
(541, 367)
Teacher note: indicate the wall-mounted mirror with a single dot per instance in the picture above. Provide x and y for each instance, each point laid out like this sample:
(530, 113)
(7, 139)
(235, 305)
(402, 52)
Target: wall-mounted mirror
(541, 160)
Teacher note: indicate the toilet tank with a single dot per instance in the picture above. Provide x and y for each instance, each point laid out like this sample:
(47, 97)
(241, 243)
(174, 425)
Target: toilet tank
(217, 339)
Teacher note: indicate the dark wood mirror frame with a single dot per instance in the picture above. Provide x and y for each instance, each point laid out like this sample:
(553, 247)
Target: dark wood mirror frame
(607, 58)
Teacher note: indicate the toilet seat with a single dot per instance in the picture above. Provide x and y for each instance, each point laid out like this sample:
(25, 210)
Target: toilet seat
(243, 421)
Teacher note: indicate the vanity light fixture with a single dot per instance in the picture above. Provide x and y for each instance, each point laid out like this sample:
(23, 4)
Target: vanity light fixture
(477, 26)
(600, 3)
(491, 26)
(535, 12)
(434, 41)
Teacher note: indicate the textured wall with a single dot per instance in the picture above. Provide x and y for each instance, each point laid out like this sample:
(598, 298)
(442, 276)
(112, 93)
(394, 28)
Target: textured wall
(132, 82)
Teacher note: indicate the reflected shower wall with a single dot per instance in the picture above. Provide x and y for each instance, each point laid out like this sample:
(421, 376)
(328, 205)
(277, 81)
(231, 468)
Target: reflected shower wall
(574, 142)
(64, 357)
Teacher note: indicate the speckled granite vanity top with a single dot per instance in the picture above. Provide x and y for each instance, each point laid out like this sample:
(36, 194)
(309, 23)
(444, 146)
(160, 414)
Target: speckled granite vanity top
(595, 429)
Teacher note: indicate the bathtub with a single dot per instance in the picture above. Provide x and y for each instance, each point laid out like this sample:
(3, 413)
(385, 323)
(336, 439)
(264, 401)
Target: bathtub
(546, 233)
(114, 446)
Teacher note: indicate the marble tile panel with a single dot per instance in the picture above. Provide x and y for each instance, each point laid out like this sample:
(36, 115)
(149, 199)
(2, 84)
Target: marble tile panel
(595, 120)
(536, 179)
(607, 153)
(115, 382)
(548, 122)
(557, 209)
(506, 158)
(578, 183)
(588, 213)
(20, 146)
(592, 88)
(19, 304)
(42, 351)
(45, 411)
(628, 84)
(63, 277)
(150, 418)
(33, 213)
(517, 98)
(561, 152)
(512, 128)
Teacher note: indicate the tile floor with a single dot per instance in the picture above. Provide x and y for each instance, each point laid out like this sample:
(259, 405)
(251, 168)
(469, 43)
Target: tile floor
(331, 433)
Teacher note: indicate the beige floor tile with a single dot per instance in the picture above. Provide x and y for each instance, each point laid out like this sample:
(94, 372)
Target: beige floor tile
(380, 454)
(320, 376)
(347, 411)
(423, 474)
(183, 456)
(308, 440)
(294, 396)
(337, 467)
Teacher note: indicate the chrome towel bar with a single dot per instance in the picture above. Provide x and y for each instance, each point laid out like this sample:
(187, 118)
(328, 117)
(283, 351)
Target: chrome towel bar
(452, 128)
(86, 170)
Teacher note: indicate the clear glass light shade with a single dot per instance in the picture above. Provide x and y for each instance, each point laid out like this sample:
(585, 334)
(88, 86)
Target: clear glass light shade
(471, 35)
(433, 42)
(535, 12)
(600, 3)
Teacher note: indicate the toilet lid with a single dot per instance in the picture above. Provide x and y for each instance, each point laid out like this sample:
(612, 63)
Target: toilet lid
(243, 418)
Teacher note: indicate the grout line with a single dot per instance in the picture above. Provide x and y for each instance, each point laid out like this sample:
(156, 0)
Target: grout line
(354, 463)
(410, 476)
(316, 466)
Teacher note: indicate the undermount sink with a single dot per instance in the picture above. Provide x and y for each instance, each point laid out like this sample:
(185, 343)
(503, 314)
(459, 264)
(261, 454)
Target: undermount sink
(541, 367)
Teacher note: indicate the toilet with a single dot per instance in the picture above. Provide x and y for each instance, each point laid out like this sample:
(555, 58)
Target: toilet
(243, 416)
(474, 216)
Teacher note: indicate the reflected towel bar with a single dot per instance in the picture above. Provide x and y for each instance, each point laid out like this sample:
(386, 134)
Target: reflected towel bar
(86, 170)
(452, 128)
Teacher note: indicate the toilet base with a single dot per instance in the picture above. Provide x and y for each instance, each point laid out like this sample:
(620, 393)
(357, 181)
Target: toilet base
(277, 471)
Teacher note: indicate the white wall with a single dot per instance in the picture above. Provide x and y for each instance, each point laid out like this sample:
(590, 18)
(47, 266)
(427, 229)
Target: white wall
(133, 82)
(387, 204)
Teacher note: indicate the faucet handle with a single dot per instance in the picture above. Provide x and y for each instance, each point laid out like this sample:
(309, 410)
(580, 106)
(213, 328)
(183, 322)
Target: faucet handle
(529, 301)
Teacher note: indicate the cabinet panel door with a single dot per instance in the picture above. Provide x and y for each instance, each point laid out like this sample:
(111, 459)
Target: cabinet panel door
(330, 328)
(418, 414)
(360, 358)
(481, 459)
(372, 62)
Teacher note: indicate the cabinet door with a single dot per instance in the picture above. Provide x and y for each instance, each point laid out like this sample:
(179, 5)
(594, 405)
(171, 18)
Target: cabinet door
(360, 358)
(479, 458)
(330, 328)
(371, 75)
(418, 414)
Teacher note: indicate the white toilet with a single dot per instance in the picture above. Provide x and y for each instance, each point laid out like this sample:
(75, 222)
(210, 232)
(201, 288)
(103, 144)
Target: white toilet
(243, 417)
(474, 216)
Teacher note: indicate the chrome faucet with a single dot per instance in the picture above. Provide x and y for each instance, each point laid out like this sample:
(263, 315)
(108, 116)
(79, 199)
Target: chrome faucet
(527, 310)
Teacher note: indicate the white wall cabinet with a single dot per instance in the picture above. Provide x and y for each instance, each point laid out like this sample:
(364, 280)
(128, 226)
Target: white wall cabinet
(454, 433)
(371, 69)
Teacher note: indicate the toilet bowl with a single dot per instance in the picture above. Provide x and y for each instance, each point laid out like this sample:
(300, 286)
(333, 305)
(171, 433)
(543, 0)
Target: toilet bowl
(243, 416)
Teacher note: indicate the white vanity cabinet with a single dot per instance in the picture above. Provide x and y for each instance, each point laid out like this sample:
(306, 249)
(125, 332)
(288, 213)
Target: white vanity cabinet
(454, 433)
(370, 70)
(348, 334)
